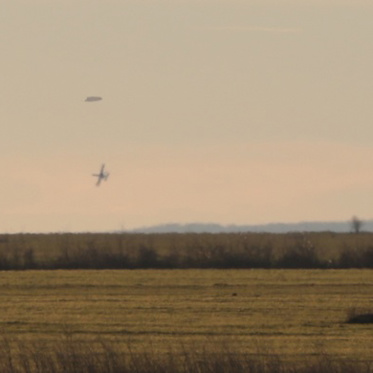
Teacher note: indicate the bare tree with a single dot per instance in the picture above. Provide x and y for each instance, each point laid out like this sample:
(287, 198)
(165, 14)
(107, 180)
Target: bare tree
(356, 224)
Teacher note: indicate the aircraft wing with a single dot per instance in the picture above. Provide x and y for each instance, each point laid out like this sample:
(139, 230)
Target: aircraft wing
(102, 175)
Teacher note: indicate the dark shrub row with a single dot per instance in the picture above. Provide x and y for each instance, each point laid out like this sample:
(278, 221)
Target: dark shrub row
(224, 251)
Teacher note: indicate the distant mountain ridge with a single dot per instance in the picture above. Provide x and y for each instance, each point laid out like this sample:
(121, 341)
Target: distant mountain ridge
(338, 227)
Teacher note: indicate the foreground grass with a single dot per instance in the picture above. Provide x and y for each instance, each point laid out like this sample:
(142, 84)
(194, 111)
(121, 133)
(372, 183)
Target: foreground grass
(68, 355)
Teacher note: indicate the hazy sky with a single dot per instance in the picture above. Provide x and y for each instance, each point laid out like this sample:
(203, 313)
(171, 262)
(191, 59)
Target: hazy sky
(234, 112)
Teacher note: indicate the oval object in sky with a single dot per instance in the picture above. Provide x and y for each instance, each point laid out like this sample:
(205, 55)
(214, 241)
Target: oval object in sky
(93, 98)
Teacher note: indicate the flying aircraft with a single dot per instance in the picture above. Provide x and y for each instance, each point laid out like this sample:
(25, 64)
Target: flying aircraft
(103, 175)
(93, 98)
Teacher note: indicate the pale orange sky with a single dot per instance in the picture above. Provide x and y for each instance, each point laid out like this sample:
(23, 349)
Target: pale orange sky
(234, 112)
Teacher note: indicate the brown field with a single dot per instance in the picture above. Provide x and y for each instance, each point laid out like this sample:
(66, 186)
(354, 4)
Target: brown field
(96, 303)
(293, 313)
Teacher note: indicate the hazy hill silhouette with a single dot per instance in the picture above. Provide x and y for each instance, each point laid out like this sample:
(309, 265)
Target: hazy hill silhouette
(338, 227)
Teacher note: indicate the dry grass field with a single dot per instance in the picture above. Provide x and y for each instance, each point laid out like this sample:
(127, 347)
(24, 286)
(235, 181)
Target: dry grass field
(293, 313)
(185, 303)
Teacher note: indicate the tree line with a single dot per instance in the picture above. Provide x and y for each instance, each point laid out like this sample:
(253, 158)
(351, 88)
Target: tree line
(183, 251)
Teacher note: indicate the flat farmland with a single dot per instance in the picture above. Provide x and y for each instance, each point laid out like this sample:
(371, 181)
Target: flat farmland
(288, 312)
